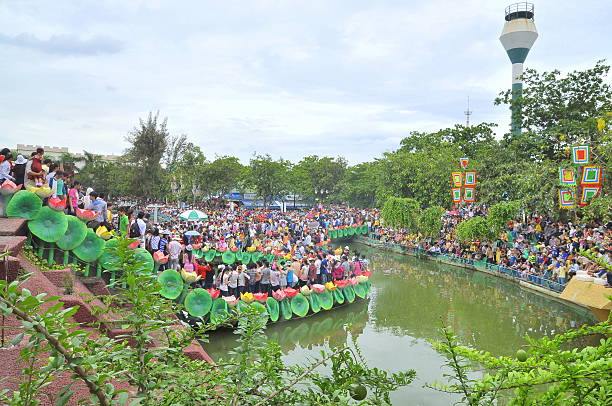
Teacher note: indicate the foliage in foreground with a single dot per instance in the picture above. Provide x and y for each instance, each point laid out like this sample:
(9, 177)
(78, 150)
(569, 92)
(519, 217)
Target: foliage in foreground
(161, 374)
(547, 372)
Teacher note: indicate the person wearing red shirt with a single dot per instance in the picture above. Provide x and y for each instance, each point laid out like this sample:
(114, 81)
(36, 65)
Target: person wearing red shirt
(206, 274)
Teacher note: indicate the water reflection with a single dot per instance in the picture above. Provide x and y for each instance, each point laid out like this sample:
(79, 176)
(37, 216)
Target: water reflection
(327, 328)
(409, 298)
(412, 296)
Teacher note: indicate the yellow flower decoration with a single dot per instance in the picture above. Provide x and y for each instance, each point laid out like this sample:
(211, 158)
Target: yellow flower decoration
(330, 286)
(247, 297)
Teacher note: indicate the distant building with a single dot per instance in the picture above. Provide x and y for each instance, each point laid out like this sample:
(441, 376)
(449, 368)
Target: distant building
(57, 152)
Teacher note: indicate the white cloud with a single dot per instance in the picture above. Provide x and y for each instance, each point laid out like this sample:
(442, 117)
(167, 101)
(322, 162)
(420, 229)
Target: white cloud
(286, 77)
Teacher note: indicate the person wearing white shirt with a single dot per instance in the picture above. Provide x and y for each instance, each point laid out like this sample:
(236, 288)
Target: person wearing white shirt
(5, 170)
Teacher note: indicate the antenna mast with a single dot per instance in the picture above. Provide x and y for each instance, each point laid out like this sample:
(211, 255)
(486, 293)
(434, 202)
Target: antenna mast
(467, 113)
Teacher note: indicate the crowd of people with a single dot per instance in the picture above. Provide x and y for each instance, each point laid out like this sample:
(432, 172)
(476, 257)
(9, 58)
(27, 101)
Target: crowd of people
(533, 246)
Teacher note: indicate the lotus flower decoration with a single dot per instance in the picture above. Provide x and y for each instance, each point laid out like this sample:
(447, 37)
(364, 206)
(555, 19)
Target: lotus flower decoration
(189, 277)
(247, 297)
(291, 292)
(342, 284)
(279, 294)
(330, 286)
(214, 293)
(103, 233)
(9, 188)
(160, 258)
(260, 297)
(367, 273)
(43, 192)
(85, 215)
(231, 300)
(251, 249)
(196, 246)
(353, 281)
(134, 244)
(362, 278)
(318, 288)
(57, 204)
(234, 249)
(305, 290)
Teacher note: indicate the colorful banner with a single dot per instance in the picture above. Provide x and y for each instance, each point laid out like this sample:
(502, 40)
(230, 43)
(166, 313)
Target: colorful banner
(469, 194)
(580, 155)
(456, 179)
(470, 179)
(456, 195)
(567, 199)
(463, 162)
(591, 175)
(566, 177)
(588, 194)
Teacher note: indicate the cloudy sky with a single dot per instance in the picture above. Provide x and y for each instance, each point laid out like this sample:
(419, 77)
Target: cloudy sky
(289, 78)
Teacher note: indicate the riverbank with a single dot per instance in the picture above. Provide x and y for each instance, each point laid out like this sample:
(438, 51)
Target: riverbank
(483, 267)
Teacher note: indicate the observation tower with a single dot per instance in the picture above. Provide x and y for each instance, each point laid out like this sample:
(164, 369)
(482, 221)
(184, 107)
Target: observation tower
(517, 37)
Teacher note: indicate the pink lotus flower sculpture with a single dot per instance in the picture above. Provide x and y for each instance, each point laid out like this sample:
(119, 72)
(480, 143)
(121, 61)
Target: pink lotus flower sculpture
(134, 245)
(341, 284)
(260, 297)
(367, 273)
(318, 288)
(8, 187)
(279, 295)
(353, 281)
(85, 215)
(214, 293)
(291, 292)
(57, 204)
(231, 300)
(160, 258)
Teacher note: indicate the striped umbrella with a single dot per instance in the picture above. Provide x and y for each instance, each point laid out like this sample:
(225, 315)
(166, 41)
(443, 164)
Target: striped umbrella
(193, 215)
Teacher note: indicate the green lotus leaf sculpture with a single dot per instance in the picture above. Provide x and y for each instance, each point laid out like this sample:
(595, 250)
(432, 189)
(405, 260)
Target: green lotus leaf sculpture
(91, 248)
(299, 305)
(219, 310)
(144, 260)
(338, 296)
(109, 258)
(349, 294)
(24, 204)
(314, 303)
(273, 308)
(326, 300)
(228, 257)
(198, 302)
(48, 225)
(171, 284)
(74, 235)
(285, 307)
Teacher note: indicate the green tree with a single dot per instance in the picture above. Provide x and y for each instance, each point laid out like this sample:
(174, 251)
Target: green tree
(322, 176)
(149, 141)
(401, 212)
(548, 371)
(358, 188)
(224, 174)
(430, 221)
(268, 177)
(559, 111)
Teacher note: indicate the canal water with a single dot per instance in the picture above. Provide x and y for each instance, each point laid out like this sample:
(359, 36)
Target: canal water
(410, 297)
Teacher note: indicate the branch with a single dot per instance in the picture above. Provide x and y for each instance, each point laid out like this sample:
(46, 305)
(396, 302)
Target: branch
(300, 377)
(94, 389)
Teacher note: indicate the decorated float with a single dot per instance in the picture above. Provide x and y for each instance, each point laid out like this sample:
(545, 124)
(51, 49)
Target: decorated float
(60, 238)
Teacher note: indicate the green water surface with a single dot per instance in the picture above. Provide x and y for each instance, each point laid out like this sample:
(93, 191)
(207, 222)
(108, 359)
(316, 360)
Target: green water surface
(409, 297)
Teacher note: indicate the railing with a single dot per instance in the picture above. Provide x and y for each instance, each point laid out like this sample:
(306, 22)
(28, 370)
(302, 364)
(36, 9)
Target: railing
(541, 281)
(519, 10)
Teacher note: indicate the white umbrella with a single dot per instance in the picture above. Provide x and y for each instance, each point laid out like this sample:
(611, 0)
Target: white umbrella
(193, 215)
